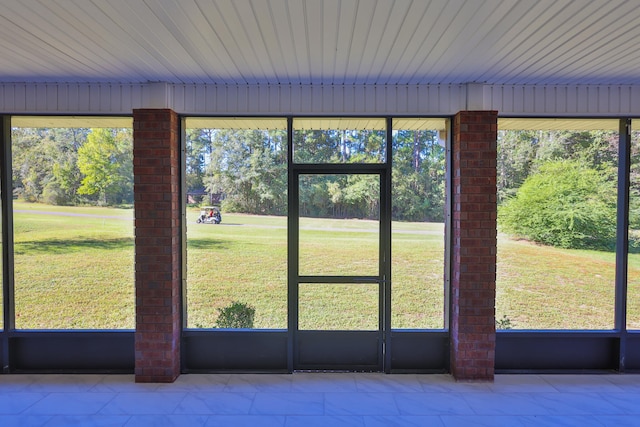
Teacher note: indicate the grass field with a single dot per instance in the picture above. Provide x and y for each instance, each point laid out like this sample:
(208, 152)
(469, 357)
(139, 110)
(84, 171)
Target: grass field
(74, 270)
(245, 259)
(73, 267)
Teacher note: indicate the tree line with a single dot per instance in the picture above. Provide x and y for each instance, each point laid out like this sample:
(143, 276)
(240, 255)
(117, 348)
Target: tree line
(247, 170)
(554, 187)
(73, 166)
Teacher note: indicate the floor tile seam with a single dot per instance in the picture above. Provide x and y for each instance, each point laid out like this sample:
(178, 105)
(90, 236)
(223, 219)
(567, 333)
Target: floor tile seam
(253, 404)
(131, 421)
(481, 413)
(42, 397)
(173, 412)
(623, 410)
(96, 385)
(207, 392)
(538, 417)
(474, 412)
(324, 404)
(325, 398)
(126, 417)
(534, 400)
(47, 417)
(552, 385)
(97, 412)
(387, 391)
(570, 386)
(132, 387)
(361, 418)
(208, 414)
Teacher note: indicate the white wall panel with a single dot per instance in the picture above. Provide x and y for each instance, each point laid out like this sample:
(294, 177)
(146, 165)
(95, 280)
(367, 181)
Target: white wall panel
(51, 97)
(582, 99)
(25, 95)
(285, 98)
(115, 98)
(635, 100)
(560, 100)
(368, 98)
(423, 98)
(539, 100)
(195, 99)
(231, 94)
(349, 98)
(567, 100)
(615, 100)
(381, 97)
(529, 100)
(338, 99)
(412, 97)
(295, 100)
(327, 97)
(401, 99)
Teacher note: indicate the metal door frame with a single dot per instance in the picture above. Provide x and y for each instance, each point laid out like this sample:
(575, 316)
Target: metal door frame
(351, 340)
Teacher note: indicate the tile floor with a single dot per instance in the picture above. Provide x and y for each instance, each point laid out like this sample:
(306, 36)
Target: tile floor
(320, 399)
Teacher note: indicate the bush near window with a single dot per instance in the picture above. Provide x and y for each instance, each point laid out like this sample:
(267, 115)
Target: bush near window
(236, 315)
(564, 204)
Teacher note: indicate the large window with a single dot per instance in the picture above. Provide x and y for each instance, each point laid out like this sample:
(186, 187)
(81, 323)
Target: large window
(73, 223)
(239, 167)
(633, 281)
(236, 267)
(418, 214)
(557, 223)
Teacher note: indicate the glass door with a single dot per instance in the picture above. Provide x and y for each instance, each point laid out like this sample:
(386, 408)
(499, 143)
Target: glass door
(339, 284)
(339, 239)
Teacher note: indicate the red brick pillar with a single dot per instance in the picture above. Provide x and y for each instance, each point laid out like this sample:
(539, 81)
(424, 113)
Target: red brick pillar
(156, 169)
(473, 278)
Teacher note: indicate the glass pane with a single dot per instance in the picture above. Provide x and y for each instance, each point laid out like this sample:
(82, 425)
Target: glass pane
(633, 282)
(557, 226)
(236, 263)
(339, 225)
(338, 307)
(339, 140)
(73, 225)
(418, 212)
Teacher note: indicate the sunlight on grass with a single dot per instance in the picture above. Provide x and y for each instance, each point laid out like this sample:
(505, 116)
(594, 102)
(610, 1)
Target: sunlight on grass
(243, 259)
(541, 287)
(74, 270)
(417, 269)
(334, 252)
(338, 307)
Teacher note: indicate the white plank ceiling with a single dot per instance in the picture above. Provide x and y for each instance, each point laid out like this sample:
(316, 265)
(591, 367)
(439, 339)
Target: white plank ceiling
(321, 41)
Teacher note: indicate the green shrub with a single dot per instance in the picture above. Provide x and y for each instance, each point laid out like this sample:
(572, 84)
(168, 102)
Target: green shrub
(504, 323)
(236, 315)
(565, 204)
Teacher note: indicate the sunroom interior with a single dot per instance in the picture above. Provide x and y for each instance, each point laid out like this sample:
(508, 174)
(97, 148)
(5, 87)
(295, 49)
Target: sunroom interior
(368, 159)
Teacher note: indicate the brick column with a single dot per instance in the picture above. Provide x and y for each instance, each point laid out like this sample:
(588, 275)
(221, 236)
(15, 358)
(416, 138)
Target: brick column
(156, 169)
(473, 278)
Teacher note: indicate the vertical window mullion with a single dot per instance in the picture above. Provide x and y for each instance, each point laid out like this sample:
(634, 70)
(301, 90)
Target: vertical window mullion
(6, 189)
(622, 234)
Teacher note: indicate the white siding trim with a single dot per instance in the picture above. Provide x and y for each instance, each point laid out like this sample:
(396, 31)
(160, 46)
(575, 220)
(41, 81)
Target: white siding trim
(437, 100)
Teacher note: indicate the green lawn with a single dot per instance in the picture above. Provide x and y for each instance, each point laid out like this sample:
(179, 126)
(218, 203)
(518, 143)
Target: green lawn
(74, 270)
(245, 259)
(73, 267)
